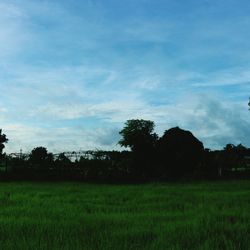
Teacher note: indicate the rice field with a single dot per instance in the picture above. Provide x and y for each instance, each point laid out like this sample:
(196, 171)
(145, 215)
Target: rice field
(190, 215)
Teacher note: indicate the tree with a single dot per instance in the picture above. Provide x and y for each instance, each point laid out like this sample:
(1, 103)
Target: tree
(62, 161)
(139, 136)
(179, 152)
(62, 158)
(40, 157)
(233, 156)
(3, 139)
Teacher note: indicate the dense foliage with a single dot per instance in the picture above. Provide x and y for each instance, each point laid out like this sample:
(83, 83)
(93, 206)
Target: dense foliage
(177, 154)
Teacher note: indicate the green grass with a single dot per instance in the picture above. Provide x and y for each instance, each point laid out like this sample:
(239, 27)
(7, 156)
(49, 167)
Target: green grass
(201, 215)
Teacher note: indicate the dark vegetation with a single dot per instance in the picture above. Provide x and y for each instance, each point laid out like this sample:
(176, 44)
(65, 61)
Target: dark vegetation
(177, 155)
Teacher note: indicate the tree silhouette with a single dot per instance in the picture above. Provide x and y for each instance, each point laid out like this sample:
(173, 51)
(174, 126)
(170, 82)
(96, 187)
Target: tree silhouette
(138, 134)
(232, 156)
(3, 139)
(179, 152)
(63, 161)
(40, 157)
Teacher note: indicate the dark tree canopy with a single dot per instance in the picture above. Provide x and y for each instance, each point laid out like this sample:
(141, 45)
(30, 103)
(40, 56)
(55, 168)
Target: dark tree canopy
(180, 151)
(232, 156)
(40, 156)
(177, 155)
(140, 137)
(137, 134)
(3, 139)
(63, 159)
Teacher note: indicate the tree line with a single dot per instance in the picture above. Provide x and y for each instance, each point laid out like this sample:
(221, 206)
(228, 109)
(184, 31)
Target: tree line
(176, 155)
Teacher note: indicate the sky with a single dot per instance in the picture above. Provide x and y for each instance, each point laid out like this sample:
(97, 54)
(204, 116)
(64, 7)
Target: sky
(72, 72)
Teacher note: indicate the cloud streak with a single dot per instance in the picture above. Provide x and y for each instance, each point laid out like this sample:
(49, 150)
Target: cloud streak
(72, 73)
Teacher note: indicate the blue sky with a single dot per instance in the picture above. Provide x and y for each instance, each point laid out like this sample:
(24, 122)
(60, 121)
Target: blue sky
(72, 72)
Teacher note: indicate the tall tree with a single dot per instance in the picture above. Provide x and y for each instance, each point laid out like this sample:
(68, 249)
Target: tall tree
(3, 139)
(139, 136)
(180, 152)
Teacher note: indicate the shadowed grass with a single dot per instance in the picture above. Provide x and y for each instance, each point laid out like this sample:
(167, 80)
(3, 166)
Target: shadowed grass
(205, 215)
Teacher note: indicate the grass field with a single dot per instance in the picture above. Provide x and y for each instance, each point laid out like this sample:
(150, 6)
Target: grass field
(205, 215)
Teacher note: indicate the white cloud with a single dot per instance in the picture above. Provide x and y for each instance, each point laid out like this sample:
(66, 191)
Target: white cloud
(214, 123)
(58, 65)
(59, 139)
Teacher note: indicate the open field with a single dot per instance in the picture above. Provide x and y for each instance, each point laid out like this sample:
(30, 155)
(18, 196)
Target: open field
(201, 215)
